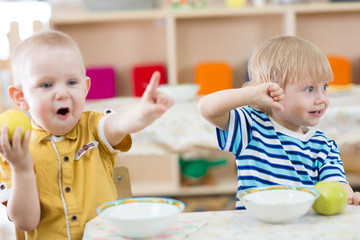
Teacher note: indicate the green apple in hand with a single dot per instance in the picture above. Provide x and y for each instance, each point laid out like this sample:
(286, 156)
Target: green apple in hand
(333, 198)
(13, 118)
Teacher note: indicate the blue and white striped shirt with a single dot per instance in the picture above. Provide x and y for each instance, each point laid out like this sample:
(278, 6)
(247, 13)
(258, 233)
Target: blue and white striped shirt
(268, 154)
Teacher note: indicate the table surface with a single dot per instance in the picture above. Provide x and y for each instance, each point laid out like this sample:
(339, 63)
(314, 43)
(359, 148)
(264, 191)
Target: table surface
(238, 224)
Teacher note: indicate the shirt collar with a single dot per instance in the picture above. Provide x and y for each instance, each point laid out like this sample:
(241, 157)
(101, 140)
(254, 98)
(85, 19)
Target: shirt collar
(38, 134)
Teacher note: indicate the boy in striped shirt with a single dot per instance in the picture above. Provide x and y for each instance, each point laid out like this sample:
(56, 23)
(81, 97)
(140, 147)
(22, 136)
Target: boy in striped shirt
(269, 123)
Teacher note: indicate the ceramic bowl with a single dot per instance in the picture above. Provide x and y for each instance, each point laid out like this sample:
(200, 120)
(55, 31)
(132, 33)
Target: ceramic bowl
(140, 217)
(278, 204)
(181, 92)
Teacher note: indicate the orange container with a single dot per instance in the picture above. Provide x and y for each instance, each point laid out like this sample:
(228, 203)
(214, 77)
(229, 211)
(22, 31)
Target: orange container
(213, 77)
(341, 68)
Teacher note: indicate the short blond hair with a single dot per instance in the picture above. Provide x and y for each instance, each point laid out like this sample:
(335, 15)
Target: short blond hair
(41, 39)
(285, 59)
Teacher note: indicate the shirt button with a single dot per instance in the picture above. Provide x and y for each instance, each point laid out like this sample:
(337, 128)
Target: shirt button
(67, 189)
(73, 218)
(66, 159)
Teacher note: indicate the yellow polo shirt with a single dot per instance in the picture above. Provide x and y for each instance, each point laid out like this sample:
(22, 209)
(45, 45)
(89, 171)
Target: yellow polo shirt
(73, 174)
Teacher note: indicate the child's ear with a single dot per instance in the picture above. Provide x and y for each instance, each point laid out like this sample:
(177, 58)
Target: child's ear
(88, 84)
(17, 96)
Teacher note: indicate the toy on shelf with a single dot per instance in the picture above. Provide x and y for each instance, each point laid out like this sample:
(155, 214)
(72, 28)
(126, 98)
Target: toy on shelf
(103, 82)
(213, 76)
(196, 171)
(116, 5)
(235, 3)
(185, 4)
(341, 68)
(141, 75)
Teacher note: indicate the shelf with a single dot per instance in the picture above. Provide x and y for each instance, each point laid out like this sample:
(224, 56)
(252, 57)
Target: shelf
(82, 16)
(162, 189)
(224, 177)
(182, 39)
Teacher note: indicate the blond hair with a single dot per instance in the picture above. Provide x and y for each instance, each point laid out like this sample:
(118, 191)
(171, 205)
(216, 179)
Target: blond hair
(287, 59)
(42, 39)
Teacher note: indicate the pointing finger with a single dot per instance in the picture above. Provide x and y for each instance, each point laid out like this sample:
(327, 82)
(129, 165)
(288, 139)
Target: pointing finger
(154, 82)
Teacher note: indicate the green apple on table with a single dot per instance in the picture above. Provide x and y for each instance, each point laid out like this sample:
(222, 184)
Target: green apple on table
(14, 118)
(332, 200)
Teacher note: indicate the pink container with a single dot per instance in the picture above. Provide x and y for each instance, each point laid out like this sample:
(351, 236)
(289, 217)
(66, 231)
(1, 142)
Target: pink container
(103, 82)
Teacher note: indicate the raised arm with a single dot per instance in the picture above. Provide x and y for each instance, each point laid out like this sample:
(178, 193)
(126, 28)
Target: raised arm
(23, 205)
(133, 118)
(215, 107)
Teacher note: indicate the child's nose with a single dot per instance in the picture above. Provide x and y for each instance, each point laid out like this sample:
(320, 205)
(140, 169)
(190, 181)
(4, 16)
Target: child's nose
(322, 96)
(61, 93)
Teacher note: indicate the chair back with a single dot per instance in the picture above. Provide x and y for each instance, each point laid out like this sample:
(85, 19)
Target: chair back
(121, 179)
(20, 235)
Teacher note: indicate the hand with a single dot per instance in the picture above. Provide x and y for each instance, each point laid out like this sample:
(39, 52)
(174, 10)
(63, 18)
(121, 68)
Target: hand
(134, 118)
(270, 95)
(355, 199)
(16, 153)
(154, 102)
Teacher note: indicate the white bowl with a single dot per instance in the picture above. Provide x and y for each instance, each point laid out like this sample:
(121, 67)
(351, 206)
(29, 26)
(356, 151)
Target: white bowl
(278, 204)
(181, 92)
(140, 217)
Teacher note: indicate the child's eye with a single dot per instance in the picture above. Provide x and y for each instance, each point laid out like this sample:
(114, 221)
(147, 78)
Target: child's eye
(309, 89)
(72, 82)
(46, 85)
(324, 87)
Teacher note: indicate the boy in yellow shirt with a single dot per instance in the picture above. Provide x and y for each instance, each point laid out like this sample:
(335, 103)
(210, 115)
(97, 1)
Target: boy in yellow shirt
(72, 152)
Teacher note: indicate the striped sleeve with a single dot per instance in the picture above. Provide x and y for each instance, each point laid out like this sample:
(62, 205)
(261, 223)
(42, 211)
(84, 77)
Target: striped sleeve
(332, 168)
(238, 135)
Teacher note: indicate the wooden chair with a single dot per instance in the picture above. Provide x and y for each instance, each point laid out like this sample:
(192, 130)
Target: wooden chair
(121, 179)
(20, 235)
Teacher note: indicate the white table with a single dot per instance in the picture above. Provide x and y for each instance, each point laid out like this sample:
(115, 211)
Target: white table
(238, 224)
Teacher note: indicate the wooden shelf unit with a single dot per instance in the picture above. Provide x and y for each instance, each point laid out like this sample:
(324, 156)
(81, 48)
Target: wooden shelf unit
(182, 39)
(160, 175)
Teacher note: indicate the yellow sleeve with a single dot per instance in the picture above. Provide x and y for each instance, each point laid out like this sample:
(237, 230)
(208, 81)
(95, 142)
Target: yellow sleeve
(125, 144)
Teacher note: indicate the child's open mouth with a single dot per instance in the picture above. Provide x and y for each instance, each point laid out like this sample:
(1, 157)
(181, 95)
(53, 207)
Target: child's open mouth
(63, 112)
(316, 113)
